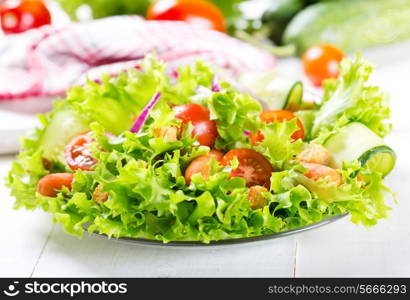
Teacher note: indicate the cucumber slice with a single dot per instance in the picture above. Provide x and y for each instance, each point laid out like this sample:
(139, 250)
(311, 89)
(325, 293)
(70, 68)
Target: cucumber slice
(379, 159)
(357, 142)
(307, 117)
(294, 99)
(272, 87)
(63, 126)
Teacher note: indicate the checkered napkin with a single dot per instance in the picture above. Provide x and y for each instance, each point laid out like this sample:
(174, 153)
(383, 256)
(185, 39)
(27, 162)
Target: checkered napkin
(47, 61)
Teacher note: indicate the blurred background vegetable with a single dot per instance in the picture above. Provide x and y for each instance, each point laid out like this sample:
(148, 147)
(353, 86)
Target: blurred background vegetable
(196, 12)
(21, 15)
(350, 24)
(103, 8)
(322, 62)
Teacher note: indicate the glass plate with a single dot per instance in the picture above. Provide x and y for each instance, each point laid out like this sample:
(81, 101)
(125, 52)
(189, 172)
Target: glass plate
(238, 241)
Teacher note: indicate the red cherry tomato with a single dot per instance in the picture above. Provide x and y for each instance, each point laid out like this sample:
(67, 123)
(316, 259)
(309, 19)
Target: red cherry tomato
(322, 62)
(49, 184)
(206, 132)
(21, 15)
(201, 165)
(253, 167)
(218, 155)
(198, 12)
(77, 153)
(271, 116)
(204, 128)
(191, 112)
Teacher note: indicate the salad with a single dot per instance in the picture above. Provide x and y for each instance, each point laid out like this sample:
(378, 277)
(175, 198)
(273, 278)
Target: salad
(189, 156)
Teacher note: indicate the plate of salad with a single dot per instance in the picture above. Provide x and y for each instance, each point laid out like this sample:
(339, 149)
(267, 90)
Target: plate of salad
(196, 159)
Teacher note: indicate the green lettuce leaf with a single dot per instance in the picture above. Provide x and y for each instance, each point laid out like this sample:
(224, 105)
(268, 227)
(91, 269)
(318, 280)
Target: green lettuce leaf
(351, 98)
(143, 174)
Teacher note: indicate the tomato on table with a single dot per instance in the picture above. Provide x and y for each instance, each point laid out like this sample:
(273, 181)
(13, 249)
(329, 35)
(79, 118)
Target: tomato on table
(322, 62)
(204, 129)
(198, 12)
(201, 165)
(49, 184)
(253, 166)
(271, 116)
(78, 154)
(20, 15)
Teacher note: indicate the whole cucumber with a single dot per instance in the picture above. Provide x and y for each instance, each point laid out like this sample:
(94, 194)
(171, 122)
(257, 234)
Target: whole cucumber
(350, 24)
(278, 16)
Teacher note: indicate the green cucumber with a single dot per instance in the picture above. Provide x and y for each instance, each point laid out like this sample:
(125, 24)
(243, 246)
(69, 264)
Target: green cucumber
(357, 142)
(294, 98)
(350, 24)
(63, 126)
(274, 88)
(306, 117)
(278, 15)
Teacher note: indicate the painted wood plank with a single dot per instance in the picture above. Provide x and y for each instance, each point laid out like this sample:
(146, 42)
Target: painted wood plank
(23, 233)
(343, 249)
(95, 256)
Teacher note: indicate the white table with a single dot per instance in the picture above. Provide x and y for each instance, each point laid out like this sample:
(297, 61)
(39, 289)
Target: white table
(31, 245)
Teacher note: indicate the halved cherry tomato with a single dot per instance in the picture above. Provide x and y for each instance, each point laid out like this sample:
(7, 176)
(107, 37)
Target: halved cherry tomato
(271, 116)
(191, 112)
(316, 172)
(78, 154)
(253, 167)
(201, 165)
(21, 15)
(49, 184)
(322, 62)
(204, 128)
(198, 12)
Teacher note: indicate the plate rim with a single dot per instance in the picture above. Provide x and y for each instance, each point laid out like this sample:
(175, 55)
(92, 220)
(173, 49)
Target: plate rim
(227, 242)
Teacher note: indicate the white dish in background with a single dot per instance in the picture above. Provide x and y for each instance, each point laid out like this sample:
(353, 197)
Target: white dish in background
(12, 126)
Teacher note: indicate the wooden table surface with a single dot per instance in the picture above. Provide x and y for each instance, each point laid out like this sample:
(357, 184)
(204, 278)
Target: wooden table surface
(31, 245)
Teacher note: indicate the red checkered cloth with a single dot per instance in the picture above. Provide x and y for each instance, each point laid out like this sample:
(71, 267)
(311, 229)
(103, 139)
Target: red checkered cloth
(47, 61)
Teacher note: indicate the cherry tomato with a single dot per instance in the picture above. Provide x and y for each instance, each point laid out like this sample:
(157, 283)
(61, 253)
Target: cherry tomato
(21, 15)
(218, 155)
(322, 62)
(206, 132)
(197, 12)
(204, 128)
(271, 116)
(317, 171)
(191, 112)
(49, 184)
(77, 153)
(201, 165)
(253, 167)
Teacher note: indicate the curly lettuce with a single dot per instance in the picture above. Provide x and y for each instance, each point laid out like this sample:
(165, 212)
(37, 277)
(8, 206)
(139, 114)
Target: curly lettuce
(351, 98)
(143, 174)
